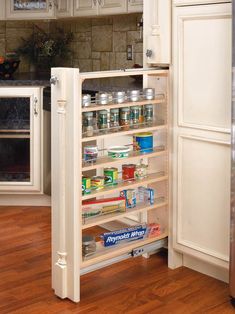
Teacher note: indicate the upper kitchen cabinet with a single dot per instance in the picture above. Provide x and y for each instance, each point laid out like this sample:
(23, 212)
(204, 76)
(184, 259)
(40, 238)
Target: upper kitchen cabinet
(99, 7)
(64, 8)
(157, 32)
(196, 2)
(135, 6)
(2, 10)
(33, 9)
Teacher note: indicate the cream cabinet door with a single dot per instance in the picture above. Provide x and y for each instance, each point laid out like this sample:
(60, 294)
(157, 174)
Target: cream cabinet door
(196, 2)
(135, 6)
(85, 7)
(202, 127)
(112, 6)
(30, 9)
(157, 32)
(64, 8)
(20, 140)
(3, 10)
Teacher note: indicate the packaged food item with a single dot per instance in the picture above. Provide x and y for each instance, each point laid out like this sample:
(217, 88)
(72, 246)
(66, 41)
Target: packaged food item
(90, 154)
(86, 100)
(118, 151)
(154, 230)
(88, 245)
(114, 120)
(148, 114)
(128, 172)
(126, 234)
(125, 118)
(97, 182)
(103, 119)
(88, 123)
(143, 142)
(111, 176)
(130, 197)
(135, 115)
(134, 95)
(149, 93)
(86, 185)
(141, 170)
(119, 97)
(103, 207)
(146, 195)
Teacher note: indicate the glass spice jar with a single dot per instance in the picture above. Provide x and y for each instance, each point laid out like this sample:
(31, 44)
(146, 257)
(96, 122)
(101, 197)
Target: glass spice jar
(148, 113)
(88, 123)
(125, 118)
(114, 120)
(135, 115)
(103, 119)
(88, 245)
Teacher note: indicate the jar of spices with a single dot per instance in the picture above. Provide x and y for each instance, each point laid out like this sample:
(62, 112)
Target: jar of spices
(141, 114)
(125, 118)
(119, 97)
(103, 119)
(114, 120)
(148, 113)
(135, 114)
(88, 123)
(86, 100)
(88, 245)
(134, 95)
(149, 93)
(102, 98)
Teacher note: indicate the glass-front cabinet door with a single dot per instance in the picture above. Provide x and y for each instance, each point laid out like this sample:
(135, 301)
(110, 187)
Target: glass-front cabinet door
(20, 140)
(23, 9)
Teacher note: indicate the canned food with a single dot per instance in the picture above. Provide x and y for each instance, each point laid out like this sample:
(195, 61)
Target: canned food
(143, 142)
(134, 95)
(110, 176)
(128, 172)
(130, 197)
(125, 118)
(86, 185)
(90, 153)
(97, 182)
(86, 100)
(149, 93)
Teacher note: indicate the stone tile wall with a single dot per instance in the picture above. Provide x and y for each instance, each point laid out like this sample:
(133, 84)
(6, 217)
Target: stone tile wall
(98, 43)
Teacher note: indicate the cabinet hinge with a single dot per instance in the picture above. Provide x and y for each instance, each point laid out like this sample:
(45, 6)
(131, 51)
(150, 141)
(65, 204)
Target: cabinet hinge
(35, 106)
(53, 80)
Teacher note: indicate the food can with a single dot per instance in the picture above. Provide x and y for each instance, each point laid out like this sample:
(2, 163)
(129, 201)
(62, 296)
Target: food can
(128, 172)
(90, 153)
(130, 197)
(97, 182)
(86, 185)
(110, 176)
(143, 142)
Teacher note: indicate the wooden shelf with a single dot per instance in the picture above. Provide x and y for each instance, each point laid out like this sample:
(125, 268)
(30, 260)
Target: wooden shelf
(14, 131)
(153, 127)
(14, 136)
(107, 161)
(91, 222)
(104, 253)
(158, 100)
(151, 178)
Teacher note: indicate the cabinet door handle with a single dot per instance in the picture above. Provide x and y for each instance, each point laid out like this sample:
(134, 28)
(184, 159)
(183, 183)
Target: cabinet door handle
(50, 5)
(94, 2)
(35, 106)
(149, 53)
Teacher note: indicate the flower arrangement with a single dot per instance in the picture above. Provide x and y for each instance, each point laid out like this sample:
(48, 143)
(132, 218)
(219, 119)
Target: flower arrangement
(45, 49)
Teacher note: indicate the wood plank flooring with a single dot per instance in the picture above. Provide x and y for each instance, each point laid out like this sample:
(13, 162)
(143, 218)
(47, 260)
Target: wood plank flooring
(135, 286)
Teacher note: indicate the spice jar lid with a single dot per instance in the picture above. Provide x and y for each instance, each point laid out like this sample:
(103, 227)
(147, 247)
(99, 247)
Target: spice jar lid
(149, 106)
(88, 114)
(119, 149)
(103, 112)
(135, 108)
(119, 94)
(126, 109)
(134, 92)
(114, 110)
(87, 239)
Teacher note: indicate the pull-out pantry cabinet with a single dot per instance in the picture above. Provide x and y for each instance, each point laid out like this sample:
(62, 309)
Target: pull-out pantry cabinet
(68, 166)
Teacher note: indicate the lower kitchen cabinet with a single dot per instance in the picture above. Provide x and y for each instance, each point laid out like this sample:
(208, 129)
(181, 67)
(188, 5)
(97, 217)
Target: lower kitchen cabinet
(20, 140)
(202, 129)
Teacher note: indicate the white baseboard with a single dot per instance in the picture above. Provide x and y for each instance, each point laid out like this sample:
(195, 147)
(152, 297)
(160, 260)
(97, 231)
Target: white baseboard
(25, 200)
(206, 268)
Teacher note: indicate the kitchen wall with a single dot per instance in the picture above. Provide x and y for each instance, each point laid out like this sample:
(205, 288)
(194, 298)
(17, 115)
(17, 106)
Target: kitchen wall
(98, 43)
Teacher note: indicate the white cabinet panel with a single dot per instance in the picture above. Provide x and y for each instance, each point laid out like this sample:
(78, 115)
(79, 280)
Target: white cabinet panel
(205, 69)
(112, 6)
(30, 9)
(135, 6)
(204, 196)
(2, 10)
(85, 7)
(64, 8)
(196, 2)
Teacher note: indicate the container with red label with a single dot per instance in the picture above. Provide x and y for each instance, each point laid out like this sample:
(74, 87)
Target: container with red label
(128, 172)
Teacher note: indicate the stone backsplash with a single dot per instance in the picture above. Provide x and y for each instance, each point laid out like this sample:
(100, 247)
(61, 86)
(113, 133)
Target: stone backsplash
(98, 43)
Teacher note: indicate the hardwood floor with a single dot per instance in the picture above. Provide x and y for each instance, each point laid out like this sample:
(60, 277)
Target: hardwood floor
(133, 286)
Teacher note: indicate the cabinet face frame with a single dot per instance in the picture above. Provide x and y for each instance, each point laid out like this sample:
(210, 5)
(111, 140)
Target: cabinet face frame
(88, 10)
(66, 10)
(35, 183)
(197, 2)
(135, 6)
(107, 7)
(49, 12)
